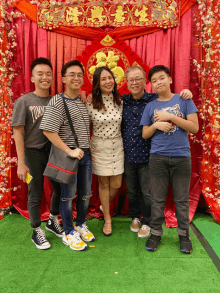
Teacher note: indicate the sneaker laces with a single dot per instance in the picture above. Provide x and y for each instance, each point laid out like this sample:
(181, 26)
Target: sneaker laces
(85, 229)
(41, 236)
(76, 236)
(136, 221)
(57, 225)
(145, 227)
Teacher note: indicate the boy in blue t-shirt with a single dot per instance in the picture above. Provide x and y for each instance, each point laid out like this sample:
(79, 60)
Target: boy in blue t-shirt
(167, 120)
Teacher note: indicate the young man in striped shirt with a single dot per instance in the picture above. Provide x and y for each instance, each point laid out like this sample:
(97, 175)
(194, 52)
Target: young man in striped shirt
(56, 128)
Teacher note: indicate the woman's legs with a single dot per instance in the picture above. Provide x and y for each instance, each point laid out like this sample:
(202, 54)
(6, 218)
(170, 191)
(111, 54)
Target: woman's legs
(108, 187)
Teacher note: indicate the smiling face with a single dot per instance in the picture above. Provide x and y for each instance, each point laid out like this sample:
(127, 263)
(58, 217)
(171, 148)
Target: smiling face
(106, 82)
(73, 78)
(160, 82)
(42, 76)
(136, 82)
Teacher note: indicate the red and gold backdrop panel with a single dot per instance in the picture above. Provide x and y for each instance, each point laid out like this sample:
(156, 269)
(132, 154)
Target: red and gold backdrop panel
(162, 47)
(96, 13)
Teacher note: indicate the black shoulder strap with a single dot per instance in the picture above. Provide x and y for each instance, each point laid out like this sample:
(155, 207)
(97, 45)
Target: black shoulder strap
(70, 122)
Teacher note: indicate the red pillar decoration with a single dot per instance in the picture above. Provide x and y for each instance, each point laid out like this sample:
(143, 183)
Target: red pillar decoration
(208, 23)
(7, 71)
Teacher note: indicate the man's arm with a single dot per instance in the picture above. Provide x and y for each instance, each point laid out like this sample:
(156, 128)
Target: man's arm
(57, 141)
(19, 143)
(148, 131)
(190, 125)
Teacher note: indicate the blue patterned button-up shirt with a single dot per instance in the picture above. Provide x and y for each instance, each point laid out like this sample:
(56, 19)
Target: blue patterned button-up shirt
(135, 147)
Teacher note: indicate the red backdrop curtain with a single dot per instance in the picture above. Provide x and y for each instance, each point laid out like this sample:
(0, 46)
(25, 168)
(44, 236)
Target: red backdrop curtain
(172, 47)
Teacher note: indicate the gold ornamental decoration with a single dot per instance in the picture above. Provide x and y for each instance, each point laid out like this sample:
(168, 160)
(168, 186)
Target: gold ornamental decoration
(93, 13)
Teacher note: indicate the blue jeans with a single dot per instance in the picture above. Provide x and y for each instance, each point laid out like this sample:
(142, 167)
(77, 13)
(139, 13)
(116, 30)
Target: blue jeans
(68, 193)
(137, 180)
(176, 170)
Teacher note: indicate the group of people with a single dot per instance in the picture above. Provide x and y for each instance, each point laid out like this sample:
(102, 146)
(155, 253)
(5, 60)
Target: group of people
(141, 136)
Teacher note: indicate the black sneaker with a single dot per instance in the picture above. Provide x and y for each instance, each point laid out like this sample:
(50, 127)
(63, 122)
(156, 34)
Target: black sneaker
(185, 244)
(54, 227)
(39, 239)
(152, 242)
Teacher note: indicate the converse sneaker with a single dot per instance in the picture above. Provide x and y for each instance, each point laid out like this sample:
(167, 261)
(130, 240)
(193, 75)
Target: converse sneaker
(135, 225)
(84, 232)
(144, 231)
(54, 227)
(74, 241)
(39, 239)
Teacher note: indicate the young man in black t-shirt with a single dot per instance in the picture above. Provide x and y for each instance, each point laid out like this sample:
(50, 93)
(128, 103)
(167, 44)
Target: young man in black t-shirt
(33, 149)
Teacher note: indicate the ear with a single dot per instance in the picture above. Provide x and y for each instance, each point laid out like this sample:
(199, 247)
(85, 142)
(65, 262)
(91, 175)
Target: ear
(63, 79)
(32, 80)
(171, 81)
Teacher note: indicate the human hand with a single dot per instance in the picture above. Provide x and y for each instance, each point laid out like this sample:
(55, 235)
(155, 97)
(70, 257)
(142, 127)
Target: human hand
(162, 116)
(22, 171)
(89, 98)
(163, 126)
(186, 94)
(82, 97)
(77, 153)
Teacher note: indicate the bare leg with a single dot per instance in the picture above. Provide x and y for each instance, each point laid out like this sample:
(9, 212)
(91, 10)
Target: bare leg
(104, 187)
(115, 184)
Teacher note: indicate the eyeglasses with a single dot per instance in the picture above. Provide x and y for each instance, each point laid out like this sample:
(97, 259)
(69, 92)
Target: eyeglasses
(137, 80)
(73, 75)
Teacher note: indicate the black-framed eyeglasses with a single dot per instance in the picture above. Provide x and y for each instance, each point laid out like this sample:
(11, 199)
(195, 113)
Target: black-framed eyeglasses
(137, 80)
(73, 75)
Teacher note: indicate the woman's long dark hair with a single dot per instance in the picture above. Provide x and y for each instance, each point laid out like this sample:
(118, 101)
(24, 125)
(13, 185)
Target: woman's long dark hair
(96, 91)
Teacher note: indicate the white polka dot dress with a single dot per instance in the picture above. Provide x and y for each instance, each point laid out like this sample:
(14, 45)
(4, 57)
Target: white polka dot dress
(106, 143)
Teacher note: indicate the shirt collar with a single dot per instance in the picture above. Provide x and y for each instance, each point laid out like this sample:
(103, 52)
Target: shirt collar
(143, 98)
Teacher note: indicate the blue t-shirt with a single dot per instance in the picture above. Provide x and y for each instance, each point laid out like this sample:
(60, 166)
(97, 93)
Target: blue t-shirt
(174, 143)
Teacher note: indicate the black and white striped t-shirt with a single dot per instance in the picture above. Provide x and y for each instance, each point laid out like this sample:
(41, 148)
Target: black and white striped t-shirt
(55, 120)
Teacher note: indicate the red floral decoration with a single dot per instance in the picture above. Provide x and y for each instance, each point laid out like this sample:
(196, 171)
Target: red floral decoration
(7, 72)
(208, 25)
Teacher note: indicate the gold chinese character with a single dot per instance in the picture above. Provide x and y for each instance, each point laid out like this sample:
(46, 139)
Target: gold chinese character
(119, 15)
(97, 14)
(72, 15)
(142, 14)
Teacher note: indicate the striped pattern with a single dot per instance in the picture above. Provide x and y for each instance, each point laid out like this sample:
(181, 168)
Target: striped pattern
(55, 120)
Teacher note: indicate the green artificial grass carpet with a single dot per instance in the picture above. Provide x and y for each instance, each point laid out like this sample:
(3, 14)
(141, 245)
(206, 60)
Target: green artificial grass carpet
(210, 230)
(116, 264)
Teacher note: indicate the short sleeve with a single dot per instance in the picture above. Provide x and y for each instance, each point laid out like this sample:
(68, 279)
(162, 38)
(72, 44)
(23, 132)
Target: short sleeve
(146, 119)
(19, 113)
(190, 107)
(52, 119)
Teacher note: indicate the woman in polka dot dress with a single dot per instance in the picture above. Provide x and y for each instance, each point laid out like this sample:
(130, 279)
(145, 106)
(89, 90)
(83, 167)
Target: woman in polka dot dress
(105, 113)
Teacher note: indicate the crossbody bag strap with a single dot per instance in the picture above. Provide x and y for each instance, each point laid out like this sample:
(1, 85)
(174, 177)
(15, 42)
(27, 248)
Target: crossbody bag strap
(70, 122)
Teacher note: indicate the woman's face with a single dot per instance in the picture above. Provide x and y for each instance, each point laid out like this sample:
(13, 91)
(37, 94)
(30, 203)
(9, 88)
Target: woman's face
(106, 82)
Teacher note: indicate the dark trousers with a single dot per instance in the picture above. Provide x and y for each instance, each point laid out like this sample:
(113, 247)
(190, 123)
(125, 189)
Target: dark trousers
(137, 180)
(36, 160)
(176, 170)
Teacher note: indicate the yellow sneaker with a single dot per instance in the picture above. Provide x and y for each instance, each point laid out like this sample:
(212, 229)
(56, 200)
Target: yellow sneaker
(84, 232)
(74, 241)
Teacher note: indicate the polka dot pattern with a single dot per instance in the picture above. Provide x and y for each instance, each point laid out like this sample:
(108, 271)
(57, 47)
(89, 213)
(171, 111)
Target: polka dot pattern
(106, 124)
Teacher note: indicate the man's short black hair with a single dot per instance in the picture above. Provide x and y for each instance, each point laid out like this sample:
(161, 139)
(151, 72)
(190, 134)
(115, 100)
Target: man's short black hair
(40, 60)
(69, 64)
(158, 68)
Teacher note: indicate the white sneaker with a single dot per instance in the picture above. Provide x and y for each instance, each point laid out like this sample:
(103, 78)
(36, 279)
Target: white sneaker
(74, 241)
(39, 239)
(84, 232)
(135, 225)
(144, 231)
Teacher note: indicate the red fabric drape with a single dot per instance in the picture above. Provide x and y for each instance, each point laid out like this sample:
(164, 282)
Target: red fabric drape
(124, 33)
(172, 48)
